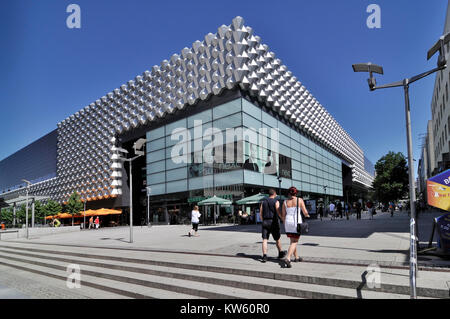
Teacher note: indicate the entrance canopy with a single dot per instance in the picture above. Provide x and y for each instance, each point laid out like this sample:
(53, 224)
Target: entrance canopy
(254, 199)
(23, 199)
(214, 201)
(90, 212)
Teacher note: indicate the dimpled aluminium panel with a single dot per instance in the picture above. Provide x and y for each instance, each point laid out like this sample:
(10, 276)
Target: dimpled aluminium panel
(233, 56)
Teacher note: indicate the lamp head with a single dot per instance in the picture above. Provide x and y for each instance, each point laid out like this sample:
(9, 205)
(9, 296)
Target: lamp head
(440, 46)
(371, 68)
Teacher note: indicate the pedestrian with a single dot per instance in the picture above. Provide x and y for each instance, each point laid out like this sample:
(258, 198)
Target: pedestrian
(347, 209)
(97, 222)
(339, 209)
(56, 222)
(358, 210)
(320, 211)
(269, 213)
(370, 209)
(391, 208)
(195, 220)
(91, 222)
(331, 209)
(291, 216)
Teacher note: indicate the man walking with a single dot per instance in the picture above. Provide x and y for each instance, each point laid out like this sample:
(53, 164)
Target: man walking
(339, 208)
(358, 210)
(332, 207)
(269, 211)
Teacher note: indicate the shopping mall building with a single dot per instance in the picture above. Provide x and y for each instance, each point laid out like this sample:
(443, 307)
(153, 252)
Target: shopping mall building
(224, 117)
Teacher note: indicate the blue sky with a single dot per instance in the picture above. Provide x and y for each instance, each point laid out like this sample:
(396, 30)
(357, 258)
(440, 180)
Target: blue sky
(49, 72)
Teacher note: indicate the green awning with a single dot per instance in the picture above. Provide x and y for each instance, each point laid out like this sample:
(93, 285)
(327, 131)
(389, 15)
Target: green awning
(254, 199)
(214, 201)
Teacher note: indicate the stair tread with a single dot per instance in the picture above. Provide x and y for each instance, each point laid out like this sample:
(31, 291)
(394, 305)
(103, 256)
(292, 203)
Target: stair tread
(270, 284)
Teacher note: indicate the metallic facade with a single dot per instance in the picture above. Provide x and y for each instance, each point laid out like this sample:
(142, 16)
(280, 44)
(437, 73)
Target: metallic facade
(232, 57)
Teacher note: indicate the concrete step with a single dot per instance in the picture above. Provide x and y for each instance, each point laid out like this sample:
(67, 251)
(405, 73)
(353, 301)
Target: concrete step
(104, 288)
(258, 287)
(24, 284)
(394, 281)
(163, 287)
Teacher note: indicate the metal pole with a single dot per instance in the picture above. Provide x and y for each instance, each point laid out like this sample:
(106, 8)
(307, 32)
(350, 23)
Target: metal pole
(32, 213)
(131, 202)
(84, 215)
(14, 213)
(412, 196)
(26, 214)
(148, 209)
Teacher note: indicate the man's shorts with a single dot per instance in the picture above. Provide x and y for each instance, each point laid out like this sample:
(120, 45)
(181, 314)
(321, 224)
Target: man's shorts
(270, 226)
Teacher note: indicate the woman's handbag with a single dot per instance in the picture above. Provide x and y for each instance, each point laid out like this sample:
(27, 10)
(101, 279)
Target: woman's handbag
(302, 228)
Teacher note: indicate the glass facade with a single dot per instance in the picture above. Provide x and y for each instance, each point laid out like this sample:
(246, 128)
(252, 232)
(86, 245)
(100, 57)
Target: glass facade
(237, 143)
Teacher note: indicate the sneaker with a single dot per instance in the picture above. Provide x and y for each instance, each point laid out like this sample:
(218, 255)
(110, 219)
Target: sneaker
(297, 260)
(287, 263)
(264, 259)
(282, 253)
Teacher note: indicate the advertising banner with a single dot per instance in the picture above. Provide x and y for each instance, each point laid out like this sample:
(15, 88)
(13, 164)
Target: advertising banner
(443, 230)
(438, 189)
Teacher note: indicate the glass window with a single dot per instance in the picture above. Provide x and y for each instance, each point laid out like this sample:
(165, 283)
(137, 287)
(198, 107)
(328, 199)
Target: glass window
(175, 125)
(156, 156)
(286, 130)
(270, 181)
(251, 122)
(306, 187)
(158, 189)
(269, 120)
(179, 136)
(156, 178)
(286, 183)
(176, 174)
(170, 164)
(295, 145)
(204, 117)
(296, 175)
(229, 178)
(178, 186)
(296, 165)
(295, 154)
(229, 122)
(253, 178)
(155, 134)
(156, 167)
(251, 109)
(305, 168)
(306, 177)
(201, 182)
(227, 109)
(304, 159)
(156, 145)
(285, 140)
(285, 150)
(313, 179)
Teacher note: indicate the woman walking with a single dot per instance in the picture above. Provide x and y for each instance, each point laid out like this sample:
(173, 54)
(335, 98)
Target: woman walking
(291, 216)
(195, 219)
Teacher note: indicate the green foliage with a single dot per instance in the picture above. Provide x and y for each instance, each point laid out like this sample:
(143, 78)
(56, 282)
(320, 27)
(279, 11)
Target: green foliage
(74, 205)
(6, 215)
(52, 208)
(391, 182)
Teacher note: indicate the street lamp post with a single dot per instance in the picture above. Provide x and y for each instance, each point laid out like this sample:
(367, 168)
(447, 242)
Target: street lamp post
(149, 190)
(26, 208)
(137, 146)
(373, 68)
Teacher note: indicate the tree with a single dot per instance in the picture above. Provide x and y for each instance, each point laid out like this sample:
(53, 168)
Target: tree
(52, 208)
(74, 205)
(392, 180)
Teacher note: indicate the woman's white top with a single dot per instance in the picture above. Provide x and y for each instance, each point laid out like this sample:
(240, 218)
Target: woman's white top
(195, 215)
(291, 221)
